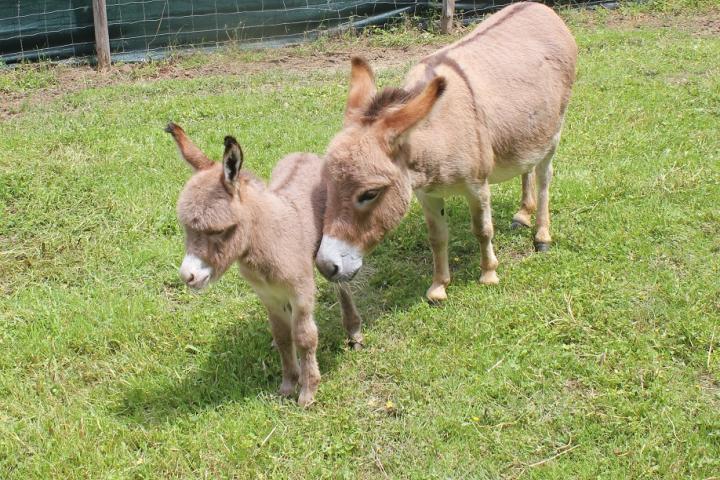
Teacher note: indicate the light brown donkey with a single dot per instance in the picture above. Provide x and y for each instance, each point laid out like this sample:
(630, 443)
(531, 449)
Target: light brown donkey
(273, 234)
(485, 109)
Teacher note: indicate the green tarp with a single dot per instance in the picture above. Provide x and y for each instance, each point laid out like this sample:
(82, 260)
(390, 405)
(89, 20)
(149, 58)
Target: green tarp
(55, 29)
(31, 29)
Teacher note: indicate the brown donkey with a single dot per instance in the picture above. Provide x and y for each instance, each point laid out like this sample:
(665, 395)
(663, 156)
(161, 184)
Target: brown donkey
(485, 109)
(273, 234)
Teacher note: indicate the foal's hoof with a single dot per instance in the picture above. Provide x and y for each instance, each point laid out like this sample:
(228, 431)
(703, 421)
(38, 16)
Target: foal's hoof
(542, 247)
(517, 225)
(436, 293)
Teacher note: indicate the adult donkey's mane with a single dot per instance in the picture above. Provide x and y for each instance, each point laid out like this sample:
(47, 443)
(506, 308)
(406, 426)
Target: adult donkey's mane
(389, 97)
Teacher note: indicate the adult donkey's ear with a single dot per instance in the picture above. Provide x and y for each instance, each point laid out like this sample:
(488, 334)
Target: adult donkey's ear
(362, 89)
(232, 160)
(191, 153)
(399, 121)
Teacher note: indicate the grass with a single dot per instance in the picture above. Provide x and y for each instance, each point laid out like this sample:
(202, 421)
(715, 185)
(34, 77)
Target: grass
(28, 77)
(599, 359)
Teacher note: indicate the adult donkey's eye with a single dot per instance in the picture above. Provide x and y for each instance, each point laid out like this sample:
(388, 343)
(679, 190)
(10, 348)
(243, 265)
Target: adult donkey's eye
(368, 196)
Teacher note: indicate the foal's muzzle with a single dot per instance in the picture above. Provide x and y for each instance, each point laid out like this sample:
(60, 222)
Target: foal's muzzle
(195, 273)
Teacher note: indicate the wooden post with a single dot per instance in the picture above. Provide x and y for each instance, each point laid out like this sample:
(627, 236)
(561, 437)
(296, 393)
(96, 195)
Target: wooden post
(446, 19)
(102, 37)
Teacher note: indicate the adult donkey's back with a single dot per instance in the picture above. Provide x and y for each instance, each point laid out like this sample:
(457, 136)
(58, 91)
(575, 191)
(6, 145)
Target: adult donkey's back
(485, 109)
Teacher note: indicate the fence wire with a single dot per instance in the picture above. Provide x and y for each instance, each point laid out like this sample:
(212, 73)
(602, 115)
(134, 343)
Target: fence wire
(55, 29)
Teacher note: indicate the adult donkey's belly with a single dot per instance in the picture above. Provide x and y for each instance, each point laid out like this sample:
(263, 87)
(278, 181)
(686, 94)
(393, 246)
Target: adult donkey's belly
(504, 173)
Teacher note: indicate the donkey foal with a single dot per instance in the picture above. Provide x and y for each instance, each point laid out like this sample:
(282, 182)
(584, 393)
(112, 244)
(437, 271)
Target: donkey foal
(273, 234)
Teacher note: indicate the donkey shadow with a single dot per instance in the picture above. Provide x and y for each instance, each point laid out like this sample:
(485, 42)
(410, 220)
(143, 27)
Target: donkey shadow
(241, 364)
(238, 365)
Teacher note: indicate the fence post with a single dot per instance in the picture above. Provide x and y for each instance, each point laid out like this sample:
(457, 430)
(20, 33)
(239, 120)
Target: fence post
(446, 19)
(102, 37)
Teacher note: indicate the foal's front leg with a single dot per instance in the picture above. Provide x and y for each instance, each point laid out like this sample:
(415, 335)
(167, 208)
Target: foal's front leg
(305, 337)
(482, 227)
(434, 210)
(282, 335)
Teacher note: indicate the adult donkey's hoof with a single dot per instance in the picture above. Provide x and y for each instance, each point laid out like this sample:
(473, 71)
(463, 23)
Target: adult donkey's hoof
(356, 342)
(517, 225)
(542, 247)
(306, 398)
(287, 388)
(436, 293)
(489, 277)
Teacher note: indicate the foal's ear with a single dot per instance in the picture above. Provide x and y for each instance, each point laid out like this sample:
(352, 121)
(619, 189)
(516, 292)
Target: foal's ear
(232, 160)
(362, 89)
(191, 153)
(399, 121)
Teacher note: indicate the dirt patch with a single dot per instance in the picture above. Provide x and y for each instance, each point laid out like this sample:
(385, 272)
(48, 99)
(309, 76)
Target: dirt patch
(330, 56)
(706, 24)
(69, 79)
(711, 388)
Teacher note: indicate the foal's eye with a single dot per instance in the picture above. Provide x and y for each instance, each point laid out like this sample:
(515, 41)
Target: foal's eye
(368, 196)
(220, 233)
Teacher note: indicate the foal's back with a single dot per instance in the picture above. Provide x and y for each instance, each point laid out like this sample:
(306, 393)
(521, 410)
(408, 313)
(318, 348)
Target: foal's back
(298, 178)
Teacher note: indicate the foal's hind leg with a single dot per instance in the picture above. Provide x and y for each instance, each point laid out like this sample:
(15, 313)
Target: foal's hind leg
(482, 227)
(434, 210)
(527, 202)
(350, 317)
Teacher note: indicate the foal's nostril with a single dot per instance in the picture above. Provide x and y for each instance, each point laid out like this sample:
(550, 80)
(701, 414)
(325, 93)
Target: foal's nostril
(336, 269)
(190, 278)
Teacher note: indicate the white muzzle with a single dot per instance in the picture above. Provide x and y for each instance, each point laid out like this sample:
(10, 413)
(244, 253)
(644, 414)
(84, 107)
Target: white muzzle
(338, 261)
(195, 273)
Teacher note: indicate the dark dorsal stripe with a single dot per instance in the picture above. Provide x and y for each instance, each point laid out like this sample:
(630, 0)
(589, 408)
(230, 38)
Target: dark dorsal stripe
(390, 97)
(436, 58)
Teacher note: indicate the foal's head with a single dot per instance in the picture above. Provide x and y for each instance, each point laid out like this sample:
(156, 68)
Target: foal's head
(369, 188)
(210, 210)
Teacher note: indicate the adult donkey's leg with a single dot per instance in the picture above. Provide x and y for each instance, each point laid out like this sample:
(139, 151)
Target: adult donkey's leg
(543, 176)
(527, 202)
(434, 210)
(482, 227)
(350, 317)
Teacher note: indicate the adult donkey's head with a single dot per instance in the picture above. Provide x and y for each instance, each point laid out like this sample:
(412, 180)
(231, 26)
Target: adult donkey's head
(369, 187)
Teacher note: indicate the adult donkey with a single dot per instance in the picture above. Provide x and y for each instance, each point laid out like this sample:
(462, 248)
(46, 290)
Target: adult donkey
(485, 109)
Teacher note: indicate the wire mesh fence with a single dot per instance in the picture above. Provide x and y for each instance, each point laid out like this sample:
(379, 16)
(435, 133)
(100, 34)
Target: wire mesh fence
(54, 29)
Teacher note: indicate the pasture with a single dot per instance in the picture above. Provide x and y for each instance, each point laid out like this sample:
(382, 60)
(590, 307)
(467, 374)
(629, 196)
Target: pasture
(600, 359)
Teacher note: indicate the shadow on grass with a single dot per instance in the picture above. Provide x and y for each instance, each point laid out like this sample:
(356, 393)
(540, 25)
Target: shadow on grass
(241, 364)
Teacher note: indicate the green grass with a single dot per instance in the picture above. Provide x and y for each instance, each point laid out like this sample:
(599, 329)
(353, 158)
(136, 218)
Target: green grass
(26, 78)
(604, 353)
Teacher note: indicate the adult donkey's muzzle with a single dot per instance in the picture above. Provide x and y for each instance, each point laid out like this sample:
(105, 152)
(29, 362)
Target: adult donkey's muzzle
(338, 261)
